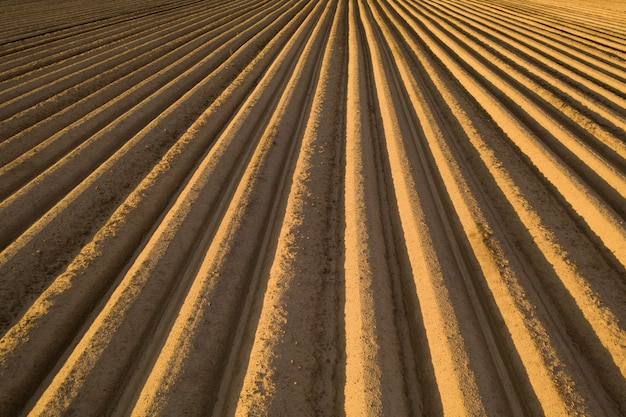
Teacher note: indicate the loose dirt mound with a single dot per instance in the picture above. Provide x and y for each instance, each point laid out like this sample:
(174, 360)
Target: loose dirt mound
(305, 207)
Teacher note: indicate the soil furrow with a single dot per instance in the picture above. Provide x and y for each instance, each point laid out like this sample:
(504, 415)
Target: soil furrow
(430, 253)
(66, 49)
(56, 81)
(274, 143)
(523, 27)
(444, 185)
(60, 178)
(565, 96)
(611, 338)
(71, 222)
(162, 38)
(558, 134)
(578, 72)
(558, 30)
(606, 27)
(283, 370)
(140, 290)
(601, 219)
(105, 242)
(380, 368)
(477, 226)
(92, 113)
(306, 207)
(47, 28)
(546, 61)
(606, 19)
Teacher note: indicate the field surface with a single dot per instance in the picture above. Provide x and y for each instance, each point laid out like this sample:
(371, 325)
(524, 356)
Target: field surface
(313, 208)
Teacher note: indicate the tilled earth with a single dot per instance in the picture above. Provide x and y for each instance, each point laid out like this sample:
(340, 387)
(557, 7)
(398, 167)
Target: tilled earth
(307, 207)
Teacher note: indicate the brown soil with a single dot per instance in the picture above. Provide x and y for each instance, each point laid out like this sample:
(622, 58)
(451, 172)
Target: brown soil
(305, 207)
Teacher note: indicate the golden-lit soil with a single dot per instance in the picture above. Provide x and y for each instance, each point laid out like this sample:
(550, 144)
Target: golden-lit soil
(307, 207)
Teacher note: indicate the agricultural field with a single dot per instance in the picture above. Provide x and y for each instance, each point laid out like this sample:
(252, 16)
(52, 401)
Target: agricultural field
(313, 208)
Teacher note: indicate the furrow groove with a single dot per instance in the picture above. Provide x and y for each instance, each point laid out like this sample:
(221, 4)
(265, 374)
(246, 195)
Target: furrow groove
(313, 207)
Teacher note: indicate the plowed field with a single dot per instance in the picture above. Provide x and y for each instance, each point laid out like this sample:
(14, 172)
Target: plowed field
(307, 207)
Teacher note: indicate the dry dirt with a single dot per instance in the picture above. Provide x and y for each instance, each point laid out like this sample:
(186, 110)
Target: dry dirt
(307, 207)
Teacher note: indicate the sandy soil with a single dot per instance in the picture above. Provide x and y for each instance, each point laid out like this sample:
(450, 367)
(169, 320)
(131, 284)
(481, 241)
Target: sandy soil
(306, 207)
